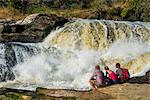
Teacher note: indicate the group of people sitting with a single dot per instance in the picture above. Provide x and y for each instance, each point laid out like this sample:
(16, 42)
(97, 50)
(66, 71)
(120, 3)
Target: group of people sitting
(99, 80)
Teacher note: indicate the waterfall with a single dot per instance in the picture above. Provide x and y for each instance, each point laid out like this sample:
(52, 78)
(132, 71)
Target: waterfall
(67, 56)
(97, 34)
(12, 54)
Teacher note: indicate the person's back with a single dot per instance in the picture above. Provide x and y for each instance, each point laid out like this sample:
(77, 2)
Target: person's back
(122, 74)
(98, 77)
(126, 74)
(111, 75)
(119, 72)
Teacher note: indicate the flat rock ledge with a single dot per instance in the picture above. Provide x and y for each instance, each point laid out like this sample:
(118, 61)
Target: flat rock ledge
(51, 94)
(124, 91)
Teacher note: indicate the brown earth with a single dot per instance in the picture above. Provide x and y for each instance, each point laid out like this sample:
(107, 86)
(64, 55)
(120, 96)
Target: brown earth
(128, 91)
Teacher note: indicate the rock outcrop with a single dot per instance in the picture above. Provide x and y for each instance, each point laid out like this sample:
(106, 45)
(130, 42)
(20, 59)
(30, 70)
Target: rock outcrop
(33, 28)
(141, 79)
(148, 76)
(115, 92)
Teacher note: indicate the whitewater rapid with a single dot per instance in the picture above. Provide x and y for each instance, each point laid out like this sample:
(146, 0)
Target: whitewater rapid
(66, 58)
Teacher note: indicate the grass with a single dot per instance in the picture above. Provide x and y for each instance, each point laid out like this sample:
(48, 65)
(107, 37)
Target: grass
(70, 13)
(14, 14)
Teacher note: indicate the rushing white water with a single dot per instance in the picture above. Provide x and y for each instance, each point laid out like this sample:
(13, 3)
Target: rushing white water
(67, 70)
(67, 57)
(127, 49)
(62, 68)
(2, 55)
(142, 72)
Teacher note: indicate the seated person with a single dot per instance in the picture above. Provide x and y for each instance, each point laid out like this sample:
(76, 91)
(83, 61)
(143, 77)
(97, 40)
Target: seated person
(111, 75)
(96, 80)
(122, 74)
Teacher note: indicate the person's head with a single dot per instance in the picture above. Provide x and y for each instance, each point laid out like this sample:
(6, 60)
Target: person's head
(117, 65)
(97, 67)
(106, 68)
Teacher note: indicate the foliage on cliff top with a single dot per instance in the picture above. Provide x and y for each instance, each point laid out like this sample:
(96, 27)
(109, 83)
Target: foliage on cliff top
(131, 10)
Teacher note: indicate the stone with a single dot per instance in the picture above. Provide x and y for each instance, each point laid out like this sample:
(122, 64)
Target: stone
(6, 73)
(141, 79)
(1, 27)
(42, 26)
(29, 19)
(138, 79)
(34, 28)
(148, 76)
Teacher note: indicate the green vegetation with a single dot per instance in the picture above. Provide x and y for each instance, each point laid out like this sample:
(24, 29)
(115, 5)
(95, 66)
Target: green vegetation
(131, 10)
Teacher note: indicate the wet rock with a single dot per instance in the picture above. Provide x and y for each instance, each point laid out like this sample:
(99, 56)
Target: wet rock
(6, 73)
(148, 76)
(141, 79)
(1, 27)
(8, 60)
(16, 94)
(4, 23)
(10, 57)
(13, 29)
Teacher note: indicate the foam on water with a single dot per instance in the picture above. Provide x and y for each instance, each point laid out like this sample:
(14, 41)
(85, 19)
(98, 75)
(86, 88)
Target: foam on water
(126, 49)
(71, 69)
(57, 71)
(142, 72)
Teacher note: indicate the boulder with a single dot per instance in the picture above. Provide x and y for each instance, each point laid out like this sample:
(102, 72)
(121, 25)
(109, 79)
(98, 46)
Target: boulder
(141, 79)
(1, 27)
(148, 76)
(138, 79)
(29, 19)
(34, 28)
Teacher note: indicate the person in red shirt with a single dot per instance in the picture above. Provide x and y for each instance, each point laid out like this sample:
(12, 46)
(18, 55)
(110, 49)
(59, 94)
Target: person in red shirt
(111, 75)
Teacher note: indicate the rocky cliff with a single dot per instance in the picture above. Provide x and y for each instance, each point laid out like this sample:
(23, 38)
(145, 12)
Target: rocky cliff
(34, 28)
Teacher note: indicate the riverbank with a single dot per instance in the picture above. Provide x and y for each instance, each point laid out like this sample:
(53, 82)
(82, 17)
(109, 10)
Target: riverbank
(14, 14)
(125, 91)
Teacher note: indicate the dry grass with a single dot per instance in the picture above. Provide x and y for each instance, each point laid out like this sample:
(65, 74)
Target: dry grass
(6, 13)
(119, 4)
(68, 13)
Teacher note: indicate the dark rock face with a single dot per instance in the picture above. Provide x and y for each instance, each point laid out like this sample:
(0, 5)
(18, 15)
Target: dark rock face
(148, 76)
(6, 73)
(10, 58)
(33, 28)
(14, 29)
(141, 79)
